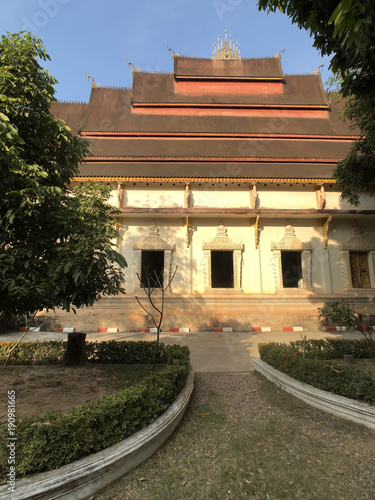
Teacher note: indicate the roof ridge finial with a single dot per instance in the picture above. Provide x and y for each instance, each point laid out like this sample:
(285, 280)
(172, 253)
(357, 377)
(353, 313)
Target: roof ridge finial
(93, 84)
(226, 50)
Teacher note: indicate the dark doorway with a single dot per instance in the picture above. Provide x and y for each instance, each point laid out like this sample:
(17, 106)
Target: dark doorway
(360, 270)
(291, 269)
(222, 269)
(152, 268)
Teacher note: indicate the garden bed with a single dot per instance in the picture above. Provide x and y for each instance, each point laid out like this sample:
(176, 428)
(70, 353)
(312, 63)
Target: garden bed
(46, 442)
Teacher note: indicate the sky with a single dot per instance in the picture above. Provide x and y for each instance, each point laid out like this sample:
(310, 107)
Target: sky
(97, 37)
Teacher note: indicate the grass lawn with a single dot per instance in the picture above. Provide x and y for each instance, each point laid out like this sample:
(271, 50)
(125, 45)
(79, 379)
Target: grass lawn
(242, 438)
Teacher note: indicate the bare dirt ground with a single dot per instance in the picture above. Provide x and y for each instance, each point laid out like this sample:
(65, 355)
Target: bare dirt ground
(40, 389)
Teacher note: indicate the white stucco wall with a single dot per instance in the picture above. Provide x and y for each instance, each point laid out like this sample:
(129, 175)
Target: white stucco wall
(257, 273)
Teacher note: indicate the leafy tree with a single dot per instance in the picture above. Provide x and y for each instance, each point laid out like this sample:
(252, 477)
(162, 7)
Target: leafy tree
(346, 30)
(57, 244)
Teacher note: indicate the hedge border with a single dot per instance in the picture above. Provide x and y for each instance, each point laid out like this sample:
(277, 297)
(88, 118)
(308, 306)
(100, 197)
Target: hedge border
(56, 439)
(360, 413)
(84, 477)
(316, 370)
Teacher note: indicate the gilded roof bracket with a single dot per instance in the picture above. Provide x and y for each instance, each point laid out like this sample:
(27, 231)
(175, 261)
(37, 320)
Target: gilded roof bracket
(255, 223)
(325, 231)
(189, 226)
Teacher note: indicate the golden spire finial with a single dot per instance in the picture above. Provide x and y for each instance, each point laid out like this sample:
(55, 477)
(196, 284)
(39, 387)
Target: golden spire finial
(226, 50)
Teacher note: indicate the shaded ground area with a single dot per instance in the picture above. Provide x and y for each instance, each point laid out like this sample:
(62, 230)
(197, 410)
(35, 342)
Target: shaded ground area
(244, 438)
(40, 389)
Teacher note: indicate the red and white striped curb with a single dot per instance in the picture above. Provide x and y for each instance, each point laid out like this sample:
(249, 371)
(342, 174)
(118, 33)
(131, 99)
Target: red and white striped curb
(32, 329)
(171, 330)
(261, 329)
(107, 330)
(343, 328)
(225, 329)
(292, 328)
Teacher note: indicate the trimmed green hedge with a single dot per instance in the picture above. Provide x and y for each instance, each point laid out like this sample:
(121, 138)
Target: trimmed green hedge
(111, 351)
(336, 348)
(321, 373)
(56, 439)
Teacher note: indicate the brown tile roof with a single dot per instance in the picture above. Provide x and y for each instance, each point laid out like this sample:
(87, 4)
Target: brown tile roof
(110, 110)
(215, 148)
(255, 68)
(297, 90)
(303, 144)
(72, 113)
(200, 169)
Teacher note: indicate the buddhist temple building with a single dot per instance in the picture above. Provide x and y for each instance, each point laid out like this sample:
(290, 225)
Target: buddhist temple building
(222, 167)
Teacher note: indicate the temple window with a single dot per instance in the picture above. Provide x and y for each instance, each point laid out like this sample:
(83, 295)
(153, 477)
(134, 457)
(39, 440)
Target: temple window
(222, 269)
(154, 254)
(291, 261)
(357, 261)
(222, 263)
(359, 269)
(291, 269)
(152, 268)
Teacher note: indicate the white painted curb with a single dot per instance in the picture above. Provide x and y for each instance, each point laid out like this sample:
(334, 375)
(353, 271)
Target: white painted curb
(82, 478)
(361, 413)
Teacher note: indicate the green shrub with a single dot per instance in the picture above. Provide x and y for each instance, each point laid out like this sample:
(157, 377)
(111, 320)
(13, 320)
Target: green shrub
(335, 348)
(338, 313)
(33, 353)
(111, 351)
(323, 374)
(56, 439)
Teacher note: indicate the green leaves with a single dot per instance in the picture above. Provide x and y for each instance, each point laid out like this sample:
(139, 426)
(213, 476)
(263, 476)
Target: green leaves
(345, 29)
(56, 243)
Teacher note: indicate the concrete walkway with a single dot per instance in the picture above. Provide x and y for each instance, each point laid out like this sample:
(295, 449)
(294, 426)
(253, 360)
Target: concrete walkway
(210, 351)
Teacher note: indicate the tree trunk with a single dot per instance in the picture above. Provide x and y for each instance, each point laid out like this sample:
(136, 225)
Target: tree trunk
(75, 353)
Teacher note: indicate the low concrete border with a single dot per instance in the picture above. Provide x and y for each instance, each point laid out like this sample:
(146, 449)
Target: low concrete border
(82, 478)
(361, 413)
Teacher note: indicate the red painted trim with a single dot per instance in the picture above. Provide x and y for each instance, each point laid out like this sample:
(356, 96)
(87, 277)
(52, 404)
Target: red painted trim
(24, 329)
(256, 329)
(282, 111)
(174, 330)
(244, 211)
(212, 136)
(217, 330)
(207, 159)
(222, 87)
(287, 328)
(144, 330)
(58, 330)
(230, 105)
(102, 330)
(331, 328)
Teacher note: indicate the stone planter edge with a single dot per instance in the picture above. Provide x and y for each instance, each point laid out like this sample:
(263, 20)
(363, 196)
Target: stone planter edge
(80, 479)
(361, 413)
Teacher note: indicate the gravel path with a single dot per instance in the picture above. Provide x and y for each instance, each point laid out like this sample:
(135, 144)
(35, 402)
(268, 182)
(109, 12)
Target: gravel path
(244, 438)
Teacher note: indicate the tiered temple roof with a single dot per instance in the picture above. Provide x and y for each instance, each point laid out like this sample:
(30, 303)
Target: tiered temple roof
(210, 113)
